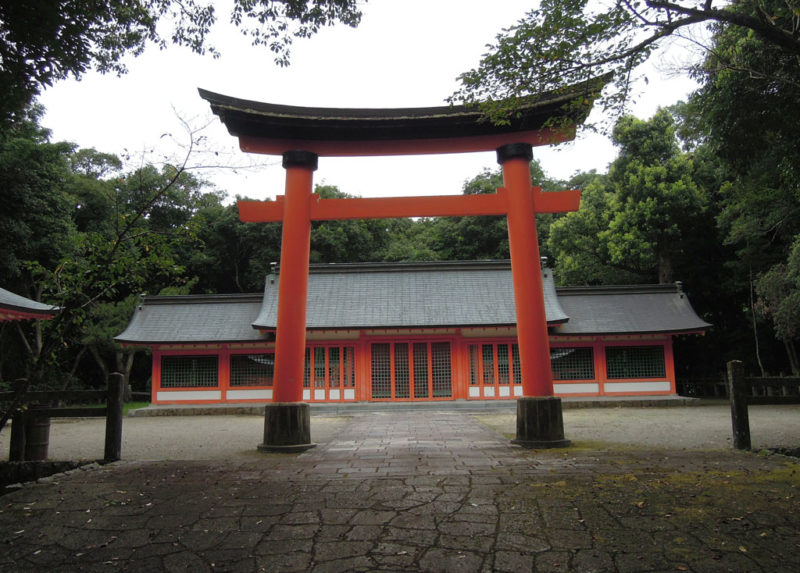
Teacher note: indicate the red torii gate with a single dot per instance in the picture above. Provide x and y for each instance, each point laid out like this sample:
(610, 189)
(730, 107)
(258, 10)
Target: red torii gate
(302, 134)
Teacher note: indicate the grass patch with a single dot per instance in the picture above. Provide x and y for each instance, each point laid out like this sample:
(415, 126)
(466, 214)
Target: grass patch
(127, 407)
(133, 406)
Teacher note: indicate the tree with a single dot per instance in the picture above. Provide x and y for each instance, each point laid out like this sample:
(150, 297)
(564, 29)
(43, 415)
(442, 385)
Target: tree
(779, 298)
(231, 256)
(564, 42)
(106, 320)
(745, 115)
(749, 120)
(639, 222)
(347, 241)
(43, 41)
(578, 243)
(475, 237)
(95, 238)
(35, 221)
(659, 205)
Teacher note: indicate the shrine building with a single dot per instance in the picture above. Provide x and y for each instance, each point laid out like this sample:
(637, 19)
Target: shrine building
(16, 307)
(413, 332)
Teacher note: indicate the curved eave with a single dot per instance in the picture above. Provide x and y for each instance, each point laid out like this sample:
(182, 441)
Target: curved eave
(192, 341)
(9, 314)
(423, 326)
(273, 129)
(699, 330)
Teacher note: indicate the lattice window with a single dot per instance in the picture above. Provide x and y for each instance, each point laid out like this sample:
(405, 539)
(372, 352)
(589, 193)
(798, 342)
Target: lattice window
(502, 363)
(319, 367)
(441, 370)
(349, 368)
(252, 369)
(189, 372)
(483, 359)
(329, 367)
(381, 371)
(307, 369)
(420, 370)
(334, 367)
(402, 376)
(635, 362)
(474, 365)
(572, 363)
(515, 364)
(487, 351)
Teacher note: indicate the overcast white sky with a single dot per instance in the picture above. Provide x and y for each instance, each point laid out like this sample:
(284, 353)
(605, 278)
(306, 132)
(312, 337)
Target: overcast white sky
(404, 54)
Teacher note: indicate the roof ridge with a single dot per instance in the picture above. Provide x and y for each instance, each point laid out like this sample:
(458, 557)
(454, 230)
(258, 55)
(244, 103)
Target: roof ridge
(487, 264)
(619, 289)
(203, 298)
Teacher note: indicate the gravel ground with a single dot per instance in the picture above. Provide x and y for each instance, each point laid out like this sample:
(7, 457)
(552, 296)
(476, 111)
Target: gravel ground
(219, 437)
(702, 427)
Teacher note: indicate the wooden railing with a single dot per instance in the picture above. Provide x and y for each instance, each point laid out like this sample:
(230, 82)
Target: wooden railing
(761, 390)
(745, 391)
(40, 411)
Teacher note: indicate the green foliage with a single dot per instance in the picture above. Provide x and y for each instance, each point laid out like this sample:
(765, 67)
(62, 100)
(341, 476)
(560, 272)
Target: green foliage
(35, 220)
(746, 113)
(779, 299)
(42, 41)
(467, 238)
(564, 42)
(578, 244)
(89, 238)
(231, 256)
(346, 241)
(745, 116)
(638, 221)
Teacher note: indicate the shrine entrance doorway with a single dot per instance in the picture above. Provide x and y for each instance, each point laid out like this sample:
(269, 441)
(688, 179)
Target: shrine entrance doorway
(405, 371)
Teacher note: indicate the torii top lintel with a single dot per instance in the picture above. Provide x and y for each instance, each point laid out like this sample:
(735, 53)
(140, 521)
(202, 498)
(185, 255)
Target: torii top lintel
(274, 129)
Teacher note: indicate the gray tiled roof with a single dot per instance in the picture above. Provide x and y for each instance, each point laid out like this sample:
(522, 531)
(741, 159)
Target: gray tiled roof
(412, 295)
(627, 309)
(15, 302)
(409, 295)
(192, 318)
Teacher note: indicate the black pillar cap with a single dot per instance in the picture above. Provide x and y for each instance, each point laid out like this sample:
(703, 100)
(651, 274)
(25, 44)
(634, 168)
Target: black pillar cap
(300, 159)
(514, 151)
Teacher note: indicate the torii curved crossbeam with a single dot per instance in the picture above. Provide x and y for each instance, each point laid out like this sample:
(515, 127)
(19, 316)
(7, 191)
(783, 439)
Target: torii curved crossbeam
(340, 132)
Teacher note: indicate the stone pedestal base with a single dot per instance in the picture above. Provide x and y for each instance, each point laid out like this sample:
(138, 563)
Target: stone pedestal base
(287, 428)
(539, 423)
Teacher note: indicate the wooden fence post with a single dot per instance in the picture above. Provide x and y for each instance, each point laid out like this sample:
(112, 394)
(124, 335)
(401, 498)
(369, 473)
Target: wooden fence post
(16, 449)
(16, 446)
(738, 395)
(114, 405)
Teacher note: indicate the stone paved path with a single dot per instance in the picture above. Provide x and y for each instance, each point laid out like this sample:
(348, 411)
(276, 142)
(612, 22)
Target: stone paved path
(415, 491)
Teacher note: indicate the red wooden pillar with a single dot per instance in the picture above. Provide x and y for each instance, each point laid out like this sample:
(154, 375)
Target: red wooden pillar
(287, 425)
(534, 344)
(290, 336)
(539, 420)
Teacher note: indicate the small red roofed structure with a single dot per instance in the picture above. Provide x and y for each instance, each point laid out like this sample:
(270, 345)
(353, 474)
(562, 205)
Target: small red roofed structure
(16, 307)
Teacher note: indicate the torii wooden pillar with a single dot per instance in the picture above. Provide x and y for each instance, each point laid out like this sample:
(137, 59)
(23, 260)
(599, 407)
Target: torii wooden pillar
(312, 132)
(539, 420)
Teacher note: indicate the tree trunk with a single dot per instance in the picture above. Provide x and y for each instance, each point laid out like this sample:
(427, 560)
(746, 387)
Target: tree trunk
(665, 272)
(100, 362)
(124, 366)
(755, 329)
(75, 364)
(791, 351)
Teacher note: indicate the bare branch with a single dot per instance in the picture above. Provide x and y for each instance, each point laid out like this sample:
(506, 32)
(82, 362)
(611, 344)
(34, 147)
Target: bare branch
(765, 27)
